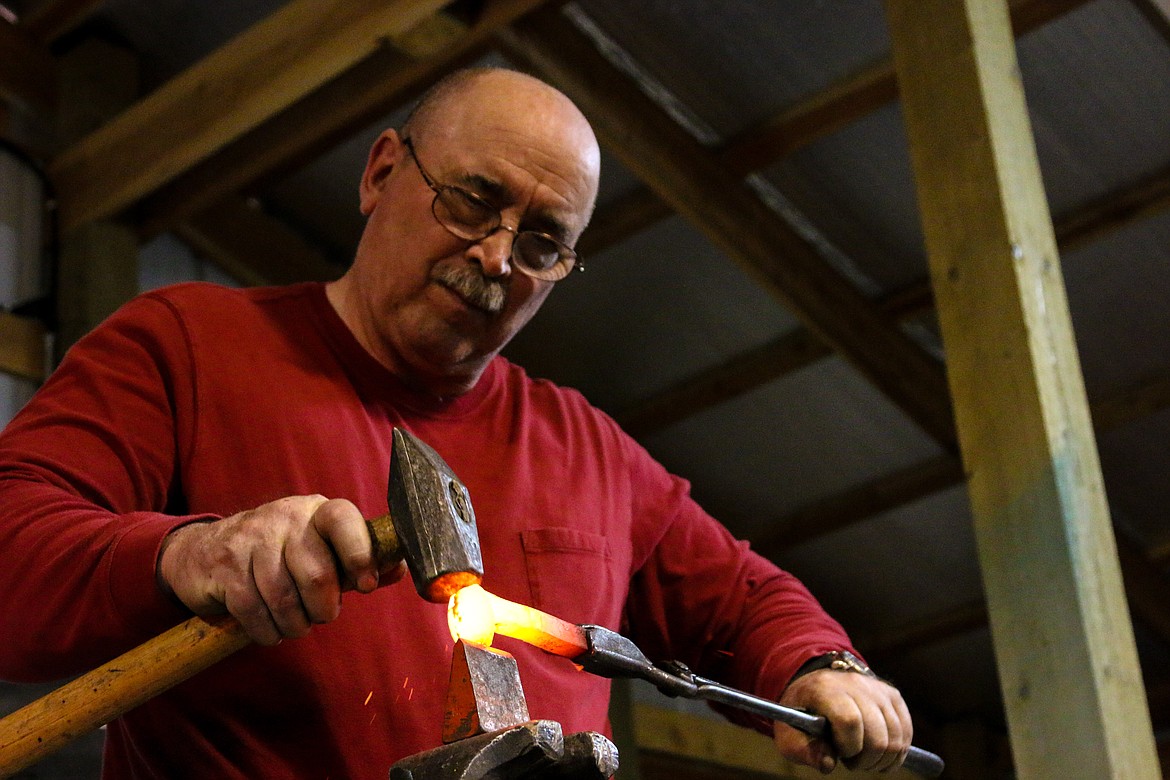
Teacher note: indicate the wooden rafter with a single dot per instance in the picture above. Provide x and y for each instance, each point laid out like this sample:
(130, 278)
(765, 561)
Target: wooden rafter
(363, 94)
(721, 205)
(50, 19)
(859, 503)
(255, 76)
(28, 74)
(748, 370)
(848, 100)
(22, 347)
(792, 351)
(1115, 211)
(1145, 589)
(254, 248)
(1157, 12)
(916, 482)
(922, 633)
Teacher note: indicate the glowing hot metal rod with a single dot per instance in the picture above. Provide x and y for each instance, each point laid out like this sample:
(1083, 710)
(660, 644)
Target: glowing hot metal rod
(477, 615)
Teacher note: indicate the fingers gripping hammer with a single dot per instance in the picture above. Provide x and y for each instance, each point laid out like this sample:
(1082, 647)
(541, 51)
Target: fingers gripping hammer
(431, 525)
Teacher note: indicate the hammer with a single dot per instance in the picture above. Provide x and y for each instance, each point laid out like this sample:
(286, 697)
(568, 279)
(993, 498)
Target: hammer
(431, 525)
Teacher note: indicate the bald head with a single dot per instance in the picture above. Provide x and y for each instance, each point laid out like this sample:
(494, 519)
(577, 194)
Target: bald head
(472, 101)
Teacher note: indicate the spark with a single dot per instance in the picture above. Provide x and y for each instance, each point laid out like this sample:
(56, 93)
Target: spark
(367, 701)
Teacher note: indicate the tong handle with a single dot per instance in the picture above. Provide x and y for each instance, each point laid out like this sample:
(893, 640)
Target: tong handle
(919, 761)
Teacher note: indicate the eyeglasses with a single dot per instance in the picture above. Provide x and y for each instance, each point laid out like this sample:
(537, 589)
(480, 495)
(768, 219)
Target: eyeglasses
(472, 218)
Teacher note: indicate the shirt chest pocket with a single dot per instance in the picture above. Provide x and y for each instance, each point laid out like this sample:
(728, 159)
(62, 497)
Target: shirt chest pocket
(576, 575)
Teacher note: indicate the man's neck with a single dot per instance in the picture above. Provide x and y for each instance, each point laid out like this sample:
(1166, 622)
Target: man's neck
(456, 380)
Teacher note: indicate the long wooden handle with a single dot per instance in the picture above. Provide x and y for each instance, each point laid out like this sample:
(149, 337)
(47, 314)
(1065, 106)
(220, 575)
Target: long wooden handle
(99, 696)
(77, 708)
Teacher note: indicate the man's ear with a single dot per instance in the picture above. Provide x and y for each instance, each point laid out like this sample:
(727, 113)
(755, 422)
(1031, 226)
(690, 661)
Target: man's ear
(384, 155)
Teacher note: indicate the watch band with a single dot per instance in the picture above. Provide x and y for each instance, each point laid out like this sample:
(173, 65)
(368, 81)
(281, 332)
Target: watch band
(838, 660)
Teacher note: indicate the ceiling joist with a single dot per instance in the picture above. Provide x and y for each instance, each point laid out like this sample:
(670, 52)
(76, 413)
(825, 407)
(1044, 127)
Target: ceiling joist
(722, 206)
(28, 72)
(366, 92)
(842, 103)
(253, 247)
(250, 79)
(22, 347)
(50, 19)
(916, 482)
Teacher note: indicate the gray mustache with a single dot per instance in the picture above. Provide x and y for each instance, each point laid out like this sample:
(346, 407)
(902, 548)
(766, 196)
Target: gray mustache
(473, 286)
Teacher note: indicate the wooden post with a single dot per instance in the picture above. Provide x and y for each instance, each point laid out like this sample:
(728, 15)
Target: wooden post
(98, 266)
(1067, 661)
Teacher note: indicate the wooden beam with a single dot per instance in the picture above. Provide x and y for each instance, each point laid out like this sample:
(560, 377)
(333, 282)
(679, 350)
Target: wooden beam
(28, 73)
(734, 218)
(854, 96)
(1157, 12)
(842, 103)
(97, 265)
(256, 75)
(792, 351)
(98, 272)
(849, 507)
(1115, 211)
(1145, 587)
(916, 482)
(22, 347)
(709, 388)
(1145, 584)
(617, 220)
(1064, 644)
(365, 93)
(50, 19)
(254, 248)
(899, 640)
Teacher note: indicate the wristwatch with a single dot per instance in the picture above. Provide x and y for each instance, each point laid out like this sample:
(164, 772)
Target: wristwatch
(838, 660)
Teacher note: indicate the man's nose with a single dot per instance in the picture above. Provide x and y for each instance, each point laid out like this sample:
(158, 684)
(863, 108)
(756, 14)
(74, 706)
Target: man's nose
(495, 250)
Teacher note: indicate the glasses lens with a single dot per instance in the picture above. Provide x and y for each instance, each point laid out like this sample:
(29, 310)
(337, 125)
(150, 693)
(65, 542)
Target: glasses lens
(464, 213)
(541, 256)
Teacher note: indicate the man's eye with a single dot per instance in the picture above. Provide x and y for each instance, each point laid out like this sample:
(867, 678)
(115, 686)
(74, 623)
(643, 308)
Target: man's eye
(538, 251)
(466, 207)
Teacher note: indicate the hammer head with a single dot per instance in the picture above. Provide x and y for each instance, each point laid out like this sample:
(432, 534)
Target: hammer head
(433, 519)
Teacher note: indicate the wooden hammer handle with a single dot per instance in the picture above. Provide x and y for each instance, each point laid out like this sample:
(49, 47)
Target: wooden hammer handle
(97, 697)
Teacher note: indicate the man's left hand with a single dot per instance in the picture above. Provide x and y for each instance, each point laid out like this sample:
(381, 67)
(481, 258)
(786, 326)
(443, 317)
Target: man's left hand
(869, 722)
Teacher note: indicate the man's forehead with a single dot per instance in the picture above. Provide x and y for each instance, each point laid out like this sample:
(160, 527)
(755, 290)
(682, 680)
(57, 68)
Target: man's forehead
(556, 184)
(501, 128)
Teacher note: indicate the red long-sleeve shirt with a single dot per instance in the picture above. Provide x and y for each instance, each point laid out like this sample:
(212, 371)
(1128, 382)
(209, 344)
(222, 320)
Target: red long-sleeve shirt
(198, 401)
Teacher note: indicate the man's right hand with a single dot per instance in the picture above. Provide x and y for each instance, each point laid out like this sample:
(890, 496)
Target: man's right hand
(278, 568)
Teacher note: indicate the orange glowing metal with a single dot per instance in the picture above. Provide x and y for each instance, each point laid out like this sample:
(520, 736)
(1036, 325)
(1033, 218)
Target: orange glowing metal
(476, 615)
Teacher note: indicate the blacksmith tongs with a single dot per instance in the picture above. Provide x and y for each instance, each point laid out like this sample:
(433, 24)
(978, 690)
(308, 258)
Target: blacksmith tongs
(612, 655)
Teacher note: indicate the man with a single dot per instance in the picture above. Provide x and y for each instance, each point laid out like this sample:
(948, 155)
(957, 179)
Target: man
(180, 458)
